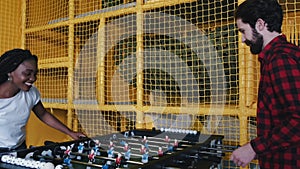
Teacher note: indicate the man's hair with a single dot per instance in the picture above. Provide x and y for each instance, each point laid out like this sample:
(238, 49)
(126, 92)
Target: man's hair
(10, 60)
(268, 10)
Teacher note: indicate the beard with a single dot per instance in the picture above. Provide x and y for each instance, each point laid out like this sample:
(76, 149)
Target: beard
(256, 44)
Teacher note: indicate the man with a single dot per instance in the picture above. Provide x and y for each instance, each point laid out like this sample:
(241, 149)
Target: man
(277, 145)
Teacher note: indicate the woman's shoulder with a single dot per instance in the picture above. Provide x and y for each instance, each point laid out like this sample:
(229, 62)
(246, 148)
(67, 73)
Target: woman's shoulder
(34, 94)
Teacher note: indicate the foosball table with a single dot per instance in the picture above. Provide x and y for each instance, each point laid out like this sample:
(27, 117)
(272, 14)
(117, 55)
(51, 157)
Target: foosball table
(135, 149)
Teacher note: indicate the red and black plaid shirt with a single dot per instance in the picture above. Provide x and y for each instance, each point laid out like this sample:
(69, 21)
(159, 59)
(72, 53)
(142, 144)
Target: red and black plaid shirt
(278, 113)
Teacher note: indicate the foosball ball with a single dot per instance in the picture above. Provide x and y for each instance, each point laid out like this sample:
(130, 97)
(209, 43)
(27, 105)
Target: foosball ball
(136, 149)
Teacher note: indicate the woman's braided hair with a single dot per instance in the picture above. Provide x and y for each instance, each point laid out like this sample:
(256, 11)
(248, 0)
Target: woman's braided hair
(10, 60)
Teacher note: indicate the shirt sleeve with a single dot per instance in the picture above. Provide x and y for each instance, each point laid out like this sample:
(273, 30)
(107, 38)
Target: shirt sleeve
(284, 73)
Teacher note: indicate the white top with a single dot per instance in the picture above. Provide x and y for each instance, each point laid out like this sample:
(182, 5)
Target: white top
(14, 114)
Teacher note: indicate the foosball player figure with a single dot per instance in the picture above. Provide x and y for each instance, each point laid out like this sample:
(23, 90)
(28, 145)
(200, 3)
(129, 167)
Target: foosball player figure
(94, 144)
(160, 152)
(143, 149)
(126, 147)
(97, 143)
(144, 139)
(145, 157)
(111, 144)
(175, 143)
(127, 154)
(132, 134)
(67, 161)
(80, 150)
(67, 151)
(219, 146)
(91, 156)
(126, 134)
(96, 150)
(146, 144)
(105, 166)
(167, 139)
(110, 152)
(118, 160)
(127, 157)
(122, 142)
(170, 148)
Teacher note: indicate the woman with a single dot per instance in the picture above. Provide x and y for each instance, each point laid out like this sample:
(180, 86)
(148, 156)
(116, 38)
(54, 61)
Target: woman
(18, 96)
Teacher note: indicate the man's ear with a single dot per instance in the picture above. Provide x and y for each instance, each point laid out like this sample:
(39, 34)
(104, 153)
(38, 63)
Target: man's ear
(260, 24)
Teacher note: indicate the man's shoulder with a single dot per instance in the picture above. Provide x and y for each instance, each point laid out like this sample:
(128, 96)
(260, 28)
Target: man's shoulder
(286, 49)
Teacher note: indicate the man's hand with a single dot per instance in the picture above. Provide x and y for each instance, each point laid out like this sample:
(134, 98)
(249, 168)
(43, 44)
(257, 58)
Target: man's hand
(243, 155)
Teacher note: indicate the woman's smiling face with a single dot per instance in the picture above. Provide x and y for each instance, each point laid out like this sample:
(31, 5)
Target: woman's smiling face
(25, 75)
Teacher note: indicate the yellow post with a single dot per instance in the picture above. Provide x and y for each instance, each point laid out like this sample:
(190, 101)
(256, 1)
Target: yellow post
(140, 66)
(101, 63)
(70, 122)
(23, 26)
(243, 84)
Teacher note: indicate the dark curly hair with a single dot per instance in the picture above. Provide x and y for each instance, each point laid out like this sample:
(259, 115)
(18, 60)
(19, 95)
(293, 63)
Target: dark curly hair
(10, 60)
(268, 10)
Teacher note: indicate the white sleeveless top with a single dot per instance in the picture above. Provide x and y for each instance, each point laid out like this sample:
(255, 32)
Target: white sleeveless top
(14, 114)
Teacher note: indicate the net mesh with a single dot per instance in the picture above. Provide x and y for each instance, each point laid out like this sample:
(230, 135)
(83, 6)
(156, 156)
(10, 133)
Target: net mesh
(119, 65)
(10, 30)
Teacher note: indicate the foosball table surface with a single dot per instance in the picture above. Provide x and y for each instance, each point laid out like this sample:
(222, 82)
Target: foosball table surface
(135, 149)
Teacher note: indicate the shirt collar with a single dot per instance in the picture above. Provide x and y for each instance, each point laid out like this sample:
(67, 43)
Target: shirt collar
(268, 48)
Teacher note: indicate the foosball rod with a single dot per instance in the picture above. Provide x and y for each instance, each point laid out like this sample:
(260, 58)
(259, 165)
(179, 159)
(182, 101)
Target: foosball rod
(115, 153)
(164, 144)
(107, 158)
(83, 163)
(38, 156)
(157, 138)
(223, 148)
(132, 148)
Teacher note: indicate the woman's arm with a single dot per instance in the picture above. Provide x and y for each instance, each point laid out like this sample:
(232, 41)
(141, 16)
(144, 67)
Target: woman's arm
(52, 121)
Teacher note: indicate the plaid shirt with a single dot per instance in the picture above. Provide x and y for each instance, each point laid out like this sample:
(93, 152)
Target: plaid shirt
(278, 113)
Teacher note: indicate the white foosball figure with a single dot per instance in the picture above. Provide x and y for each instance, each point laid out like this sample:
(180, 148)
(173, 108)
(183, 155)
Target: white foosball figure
(80, 150)
(96, 148)
(144, 139)
(127, 154)
(110, 152)
(145, 157)
(126, 134)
